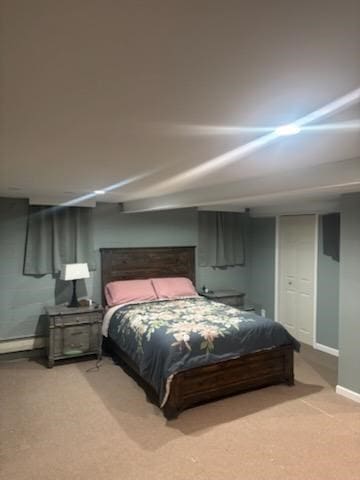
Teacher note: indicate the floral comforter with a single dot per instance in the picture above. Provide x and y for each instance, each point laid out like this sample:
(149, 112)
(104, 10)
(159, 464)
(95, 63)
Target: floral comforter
(165, 337)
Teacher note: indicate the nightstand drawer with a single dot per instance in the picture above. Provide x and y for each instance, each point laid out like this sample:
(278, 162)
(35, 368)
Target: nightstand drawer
(63, 320)
(76, 340)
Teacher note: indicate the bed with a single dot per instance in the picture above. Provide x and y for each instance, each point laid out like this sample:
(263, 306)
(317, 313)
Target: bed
(211, 376)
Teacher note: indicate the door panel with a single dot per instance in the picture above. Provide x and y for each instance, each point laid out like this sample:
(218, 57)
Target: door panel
(289, 311)
(296, 275)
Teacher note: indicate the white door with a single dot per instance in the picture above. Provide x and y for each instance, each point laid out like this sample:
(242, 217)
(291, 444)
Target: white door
(297, 260)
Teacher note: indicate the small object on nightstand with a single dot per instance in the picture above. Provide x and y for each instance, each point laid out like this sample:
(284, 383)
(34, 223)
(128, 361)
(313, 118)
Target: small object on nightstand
(233, 298)
(74, 332)
(205, 290)
(85, 302)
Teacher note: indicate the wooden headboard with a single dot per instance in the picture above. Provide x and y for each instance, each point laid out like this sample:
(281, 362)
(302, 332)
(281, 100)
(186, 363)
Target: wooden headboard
(149, 262)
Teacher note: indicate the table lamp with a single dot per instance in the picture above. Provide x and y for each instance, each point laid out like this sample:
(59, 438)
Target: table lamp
(74, 271)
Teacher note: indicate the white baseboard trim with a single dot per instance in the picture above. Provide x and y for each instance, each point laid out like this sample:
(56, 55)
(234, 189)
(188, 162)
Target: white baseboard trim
(345, 392)
(21, 344)
(324, 348)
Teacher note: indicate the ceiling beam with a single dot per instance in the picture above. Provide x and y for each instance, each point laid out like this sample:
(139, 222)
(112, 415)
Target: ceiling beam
(322, 180)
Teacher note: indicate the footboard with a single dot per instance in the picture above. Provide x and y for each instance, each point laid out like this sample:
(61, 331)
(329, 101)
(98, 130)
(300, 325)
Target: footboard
(203, 384)
(255, 370)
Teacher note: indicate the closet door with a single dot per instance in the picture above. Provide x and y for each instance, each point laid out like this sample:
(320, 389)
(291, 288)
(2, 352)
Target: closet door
(297, 236)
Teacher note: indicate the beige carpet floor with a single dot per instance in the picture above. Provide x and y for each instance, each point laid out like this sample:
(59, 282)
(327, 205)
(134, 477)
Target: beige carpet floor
(74, 423)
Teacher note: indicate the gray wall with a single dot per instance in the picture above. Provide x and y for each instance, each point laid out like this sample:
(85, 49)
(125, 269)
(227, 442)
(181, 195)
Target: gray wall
(166, 228)
(327, 332)
(349, 318)
(22, 298)
(261, 250)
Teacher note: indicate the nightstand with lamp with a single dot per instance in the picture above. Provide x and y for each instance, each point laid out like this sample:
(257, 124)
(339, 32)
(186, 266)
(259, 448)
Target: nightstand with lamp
(74, 330)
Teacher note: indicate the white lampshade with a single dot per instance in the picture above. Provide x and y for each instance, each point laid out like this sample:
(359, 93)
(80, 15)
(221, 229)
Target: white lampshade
(74, 271)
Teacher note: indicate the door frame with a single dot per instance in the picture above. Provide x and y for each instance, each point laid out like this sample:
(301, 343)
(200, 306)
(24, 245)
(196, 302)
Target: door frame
(277, 260)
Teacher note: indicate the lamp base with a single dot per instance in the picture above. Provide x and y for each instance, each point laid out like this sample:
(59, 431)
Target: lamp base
(74, 303)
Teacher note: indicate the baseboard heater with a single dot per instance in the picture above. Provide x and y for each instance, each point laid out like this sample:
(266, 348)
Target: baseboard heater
(13, 345)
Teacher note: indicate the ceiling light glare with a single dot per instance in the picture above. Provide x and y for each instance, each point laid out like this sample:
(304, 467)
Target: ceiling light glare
(99, 192)
(291, 129)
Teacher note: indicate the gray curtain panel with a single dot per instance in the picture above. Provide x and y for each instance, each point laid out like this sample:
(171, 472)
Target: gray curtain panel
(331, 235)
(57, 235)
(221, 239)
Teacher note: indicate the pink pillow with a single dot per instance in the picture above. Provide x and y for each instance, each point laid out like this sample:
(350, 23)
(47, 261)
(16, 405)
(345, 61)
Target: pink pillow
(126, 291)
(173, 287)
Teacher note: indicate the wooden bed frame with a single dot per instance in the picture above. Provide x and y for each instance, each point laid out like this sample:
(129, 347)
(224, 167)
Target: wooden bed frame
(201, 384)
